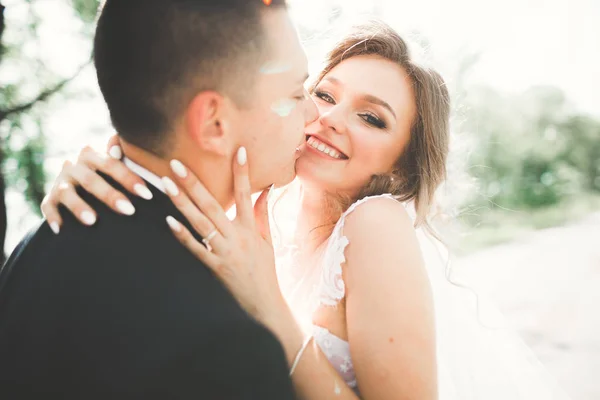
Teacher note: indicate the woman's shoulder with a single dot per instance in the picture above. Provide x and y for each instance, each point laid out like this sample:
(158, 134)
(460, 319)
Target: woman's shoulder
(376, 226)
(383, 248)
(381, 228)
(378, 214)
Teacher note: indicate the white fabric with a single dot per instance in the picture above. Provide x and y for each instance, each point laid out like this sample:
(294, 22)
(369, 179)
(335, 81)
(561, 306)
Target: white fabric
(478, 356)
(331, 286)
(337, 352)
(143, 173)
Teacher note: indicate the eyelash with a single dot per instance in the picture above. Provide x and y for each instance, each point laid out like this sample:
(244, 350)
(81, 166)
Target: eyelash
(367, 117)
(373, 120)
(322, 95)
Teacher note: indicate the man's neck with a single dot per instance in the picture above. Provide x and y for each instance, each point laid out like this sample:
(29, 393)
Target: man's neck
(219, 186)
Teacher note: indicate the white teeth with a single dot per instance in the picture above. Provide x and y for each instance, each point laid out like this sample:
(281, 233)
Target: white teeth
(323, 148)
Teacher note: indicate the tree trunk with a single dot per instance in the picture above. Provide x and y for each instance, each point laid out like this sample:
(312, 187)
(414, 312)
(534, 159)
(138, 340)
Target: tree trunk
(3, 221)
(1, 21)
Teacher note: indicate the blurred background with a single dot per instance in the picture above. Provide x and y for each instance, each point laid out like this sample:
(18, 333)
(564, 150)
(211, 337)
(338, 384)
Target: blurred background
(524, 185)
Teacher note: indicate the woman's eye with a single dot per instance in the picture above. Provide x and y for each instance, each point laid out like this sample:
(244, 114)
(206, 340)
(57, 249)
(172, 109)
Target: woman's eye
(325, 97)
(373, 120)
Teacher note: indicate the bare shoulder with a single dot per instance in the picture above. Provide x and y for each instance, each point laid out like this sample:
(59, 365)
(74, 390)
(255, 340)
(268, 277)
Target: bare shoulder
(378, 217)
(383, 247)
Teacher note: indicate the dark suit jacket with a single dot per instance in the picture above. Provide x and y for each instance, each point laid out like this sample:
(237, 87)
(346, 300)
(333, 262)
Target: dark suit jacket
(122, 310)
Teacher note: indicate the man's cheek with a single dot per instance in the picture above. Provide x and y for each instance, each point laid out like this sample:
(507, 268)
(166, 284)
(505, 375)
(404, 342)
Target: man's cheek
(284, 107)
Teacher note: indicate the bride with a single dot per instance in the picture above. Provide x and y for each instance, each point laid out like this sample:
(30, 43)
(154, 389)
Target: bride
(359, 269)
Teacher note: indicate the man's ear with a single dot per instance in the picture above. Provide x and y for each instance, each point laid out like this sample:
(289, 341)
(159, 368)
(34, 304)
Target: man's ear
(205, 118)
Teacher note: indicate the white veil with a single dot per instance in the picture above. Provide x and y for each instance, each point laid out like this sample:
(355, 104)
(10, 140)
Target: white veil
(479, 356)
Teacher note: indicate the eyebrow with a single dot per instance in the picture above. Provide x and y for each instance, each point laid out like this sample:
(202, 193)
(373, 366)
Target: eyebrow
(366, 97)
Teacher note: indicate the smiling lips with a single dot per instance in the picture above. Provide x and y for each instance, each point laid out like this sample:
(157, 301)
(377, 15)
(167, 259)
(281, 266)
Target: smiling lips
(326, 149)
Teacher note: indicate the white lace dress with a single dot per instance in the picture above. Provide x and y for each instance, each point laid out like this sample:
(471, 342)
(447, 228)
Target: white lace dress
(474, 361)
(324, 286)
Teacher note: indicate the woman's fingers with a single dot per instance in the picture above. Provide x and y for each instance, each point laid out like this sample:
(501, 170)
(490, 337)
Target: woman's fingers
(200, 222)
(84, 173)
(187, 239)
(64, 193)
(99, 188)
(113, 147)
(199, 198)
(50, 212)
(242, 189)
(116, 170)
(67, 196)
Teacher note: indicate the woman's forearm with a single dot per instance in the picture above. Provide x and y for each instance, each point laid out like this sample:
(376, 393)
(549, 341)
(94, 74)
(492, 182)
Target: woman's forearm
(314, 377)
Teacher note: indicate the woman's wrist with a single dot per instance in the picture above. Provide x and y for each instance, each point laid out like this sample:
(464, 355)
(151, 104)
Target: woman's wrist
(285, 327)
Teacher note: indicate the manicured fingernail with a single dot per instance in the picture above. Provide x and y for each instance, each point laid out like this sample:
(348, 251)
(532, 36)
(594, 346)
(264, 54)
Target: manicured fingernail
(55, 227)
(142, 191)
(174, 224)
(115, 152)
(88, 218)
(125, 207)
(242, 156)
(170, 186)
(178, 168)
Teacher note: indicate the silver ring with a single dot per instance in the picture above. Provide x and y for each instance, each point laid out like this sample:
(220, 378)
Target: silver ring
(208, 238)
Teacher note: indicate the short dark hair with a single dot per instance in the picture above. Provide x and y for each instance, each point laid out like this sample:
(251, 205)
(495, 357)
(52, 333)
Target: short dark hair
(153, 56)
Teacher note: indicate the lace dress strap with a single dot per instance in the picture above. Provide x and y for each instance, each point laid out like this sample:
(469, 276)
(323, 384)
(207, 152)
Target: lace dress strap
(332, 288)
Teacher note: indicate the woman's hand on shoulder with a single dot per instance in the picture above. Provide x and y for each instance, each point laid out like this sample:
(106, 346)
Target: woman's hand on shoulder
(238, 251)
(389, 305)
(84, 173)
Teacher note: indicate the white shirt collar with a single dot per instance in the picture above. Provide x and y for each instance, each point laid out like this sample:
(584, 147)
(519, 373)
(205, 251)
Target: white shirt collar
(150, 177)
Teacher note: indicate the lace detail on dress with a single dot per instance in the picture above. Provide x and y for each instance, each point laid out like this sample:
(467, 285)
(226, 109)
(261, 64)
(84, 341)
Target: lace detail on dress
(331, 287)
(337, 352)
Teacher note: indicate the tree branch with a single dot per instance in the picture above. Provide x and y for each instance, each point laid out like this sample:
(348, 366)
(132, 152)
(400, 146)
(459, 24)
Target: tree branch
(43, 96)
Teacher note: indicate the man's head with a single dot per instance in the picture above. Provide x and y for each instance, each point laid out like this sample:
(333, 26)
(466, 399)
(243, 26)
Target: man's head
(197, 79)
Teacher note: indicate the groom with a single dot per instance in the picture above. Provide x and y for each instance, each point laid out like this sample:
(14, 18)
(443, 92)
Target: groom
(122, 310)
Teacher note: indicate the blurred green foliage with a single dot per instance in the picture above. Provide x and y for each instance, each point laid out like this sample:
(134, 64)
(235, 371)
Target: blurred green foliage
(530, 150)
(534, 160)
(17, 108)
(23, 100)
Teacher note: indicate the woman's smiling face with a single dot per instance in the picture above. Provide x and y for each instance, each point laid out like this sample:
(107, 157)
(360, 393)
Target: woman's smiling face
(366, 109)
